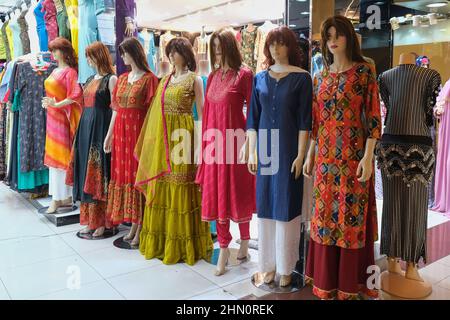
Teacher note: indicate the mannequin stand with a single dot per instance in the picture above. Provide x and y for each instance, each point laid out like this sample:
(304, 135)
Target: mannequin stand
(64, 215)
(398, 285)
(107, 234)
(123, 244)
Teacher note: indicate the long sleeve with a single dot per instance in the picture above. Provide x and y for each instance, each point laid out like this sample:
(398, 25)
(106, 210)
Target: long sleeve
(254, 112)
(99, 6)
(432, 94)
(372, 108)
(129, 7)
(114, 100)
(152, 85)
(304, 113)
(247, 87)
(73, 89)
(315, 108)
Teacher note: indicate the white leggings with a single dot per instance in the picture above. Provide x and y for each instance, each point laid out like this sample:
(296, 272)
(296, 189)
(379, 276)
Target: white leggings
(57, 187)
(278, 243)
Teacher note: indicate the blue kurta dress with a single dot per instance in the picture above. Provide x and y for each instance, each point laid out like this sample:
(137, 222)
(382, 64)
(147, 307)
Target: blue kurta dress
(40, 25)
(283, 108)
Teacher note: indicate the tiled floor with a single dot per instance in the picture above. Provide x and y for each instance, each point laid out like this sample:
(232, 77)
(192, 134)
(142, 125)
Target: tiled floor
(41, 261)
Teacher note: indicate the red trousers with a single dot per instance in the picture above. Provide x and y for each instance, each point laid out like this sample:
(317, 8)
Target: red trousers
(224, 236)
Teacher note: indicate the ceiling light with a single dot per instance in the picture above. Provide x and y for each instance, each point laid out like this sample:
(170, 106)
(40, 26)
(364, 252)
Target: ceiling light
(437, 5)
(394, 23)
(305, 12)
(292, 25)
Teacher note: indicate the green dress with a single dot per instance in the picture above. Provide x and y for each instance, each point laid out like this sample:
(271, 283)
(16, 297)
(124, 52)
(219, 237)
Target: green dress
(173, 230)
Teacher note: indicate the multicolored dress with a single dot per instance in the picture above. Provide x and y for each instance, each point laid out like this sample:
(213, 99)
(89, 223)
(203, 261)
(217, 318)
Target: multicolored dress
(131, 102)
(173, 230)
(90, 167)
(62, 124)
(51, 24)
(346, 112)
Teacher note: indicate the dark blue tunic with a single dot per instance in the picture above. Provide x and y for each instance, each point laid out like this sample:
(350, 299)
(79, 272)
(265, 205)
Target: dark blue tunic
(278, 111)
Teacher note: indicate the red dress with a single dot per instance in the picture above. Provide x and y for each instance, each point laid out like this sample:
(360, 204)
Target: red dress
(51, 24)
(228, 189)
(346, 112)
(131, 101)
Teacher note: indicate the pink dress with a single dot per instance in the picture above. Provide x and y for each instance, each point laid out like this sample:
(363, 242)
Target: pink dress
(442, 183)
(228, 188)
(51, 24)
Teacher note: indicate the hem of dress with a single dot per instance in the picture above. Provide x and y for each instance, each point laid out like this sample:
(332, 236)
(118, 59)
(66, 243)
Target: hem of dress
(339, 294)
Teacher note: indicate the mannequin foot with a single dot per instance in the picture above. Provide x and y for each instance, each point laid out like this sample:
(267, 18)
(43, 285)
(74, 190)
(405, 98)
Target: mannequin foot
(135, 241)
(269, 277)
(394, 266)
(243, 251)
(285, 280)
(130, 236)
(99, 232)
(54, 205)
(222, 262)
(412, 273)
(67, 202)
(85, 231)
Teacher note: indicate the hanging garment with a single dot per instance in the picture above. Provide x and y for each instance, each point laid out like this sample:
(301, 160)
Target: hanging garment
(88, 10)
(131, 102)
(125, 12)
(248, 48)
(406, 158)
(260, 42)
(2, 47)
(51, 24)
(194, 108)
(163, 41)
(3, 115)
(90, 167)
(62, 19)
(147, 40)
(442, 185)
(32, 28)
(24, 38)
(346, 112)
(17, 42)
(40, 27)
(9, 35)
(6, 41)
(72, 13)
(172, 230)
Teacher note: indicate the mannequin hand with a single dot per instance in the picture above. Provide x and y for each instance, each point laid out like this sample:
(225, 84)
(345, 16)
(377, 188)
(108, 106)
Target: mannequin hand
(48, 102)
(243, 154)
(252, 164)
(129, 30)
(365, 169)
(297, 166)
(107, 144)
(308, 167)
(439, 110)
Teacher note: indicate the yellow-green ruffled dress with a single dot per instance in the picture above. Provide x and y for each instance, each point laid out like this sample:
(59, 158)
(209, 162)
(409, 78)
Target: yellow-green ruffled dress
(172, 229)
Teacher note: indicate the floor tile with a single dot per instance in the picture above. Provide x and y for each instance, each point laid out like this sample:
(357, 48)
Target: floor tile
(435, 219)
(244, 288)
(435, 273)
(110, 262)
(100, 290)
(444, 261)
(439, 293)
(47, 277)
(23, 226)
(234, 274)
(26, 251)
(162, 282)
(217, 294)
(3, 293)
(444, 284)
(84, 246)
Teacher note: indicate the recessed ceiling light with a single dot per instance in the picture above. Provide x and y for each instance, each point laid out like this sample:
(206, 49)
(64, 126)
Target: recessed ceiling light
(292, 25)
(305, 12)
(437, 5)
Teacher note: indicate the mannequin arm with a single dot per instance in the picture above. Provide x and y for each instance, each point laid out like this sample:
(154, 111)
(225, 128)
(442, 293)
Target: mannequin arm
(298, 162)
(109, 136)
(309, 162)
(199, 97)
(365, 167)
(48, 102)
(252, 160)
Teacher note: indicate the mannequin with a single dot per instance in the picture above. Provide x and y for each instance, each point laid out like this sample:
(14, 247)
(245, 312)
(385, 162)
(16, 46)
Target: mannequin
(343, 228)
(283, 94)
(406, 158)
(125, 27)
(90, 166)
(132, 97)
(259, 44)
(146, 38)
(224, 197)
(172, 229)
(63, 104)
(248, 46)
(163, 41)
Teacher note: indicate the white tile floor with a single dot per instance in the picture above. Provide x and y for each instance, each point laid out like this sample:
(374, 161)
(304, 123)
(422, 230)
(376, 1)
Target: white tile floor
(41, 261)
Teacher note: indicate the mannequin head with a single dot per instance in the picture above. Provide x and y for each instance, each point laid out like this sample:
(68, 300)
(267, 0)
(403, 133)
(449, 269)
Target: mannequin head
(225, 50)
(98, 57)
(339, 38)
(133, 54)
(282, 47)
(180, 53)
(63, 52)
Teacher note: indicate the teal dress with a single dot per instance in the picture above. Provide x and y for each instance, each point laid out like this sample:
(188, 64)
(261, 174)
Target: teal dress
(18, 48)
(33, 179)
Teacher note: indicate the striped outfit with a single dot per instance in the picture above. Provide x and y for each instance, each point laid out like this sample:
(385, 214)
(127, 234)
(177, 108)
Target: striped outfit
(406, 158)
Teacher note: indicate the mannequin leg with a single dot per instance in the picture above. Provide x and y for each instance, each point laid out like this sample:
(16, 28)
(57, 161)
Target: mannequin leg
(287, 242)
(137, 235)
(394, 265)
(412, 272)
(244, 229)
(224, 237)
(132, 232)
(57, 188)
(266, 248)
